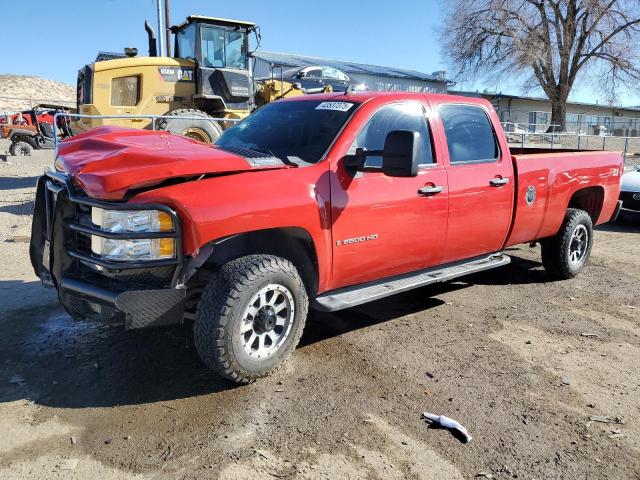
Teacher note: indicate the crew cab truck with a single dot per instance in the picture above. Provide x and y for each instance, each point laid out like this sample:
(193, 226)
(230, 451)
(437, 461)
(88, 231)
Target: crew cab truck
(326, 202)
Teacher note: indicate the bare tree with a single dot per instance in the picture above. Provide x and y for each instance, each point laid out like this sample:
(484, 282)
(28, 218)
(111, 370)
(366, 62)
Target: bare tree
(546, 42)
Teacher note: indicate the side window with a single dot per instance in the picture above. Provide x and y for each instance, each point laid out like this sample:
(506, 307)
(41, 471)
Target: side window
(186, 42)
(315, 73)
(400, 116)
(470, 136)
(329, 72)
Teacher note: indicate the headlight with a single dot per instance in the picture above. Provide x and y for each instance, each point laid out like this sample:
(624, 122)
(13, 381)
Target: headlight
(116, 221)
(138, 249)
(132, 221)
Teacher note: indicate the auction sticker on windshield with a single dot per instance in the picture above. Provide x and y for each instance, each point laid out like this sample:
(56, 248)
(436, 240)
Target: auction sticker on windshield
(338, 106)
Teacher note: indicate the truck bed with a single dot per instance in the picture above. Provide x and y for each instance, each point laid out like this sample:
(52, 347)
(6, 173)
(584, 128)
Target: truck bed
(561, 179)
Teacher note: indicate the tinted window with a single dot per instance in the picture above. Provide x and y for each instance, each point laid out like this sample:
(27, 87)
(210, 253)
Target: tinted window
(222, 48)
(329, 72)
(316, 73)
(234, 50)
(469, 134)
(401, 116)
(293, 131)
(186, 42)
(212, 45)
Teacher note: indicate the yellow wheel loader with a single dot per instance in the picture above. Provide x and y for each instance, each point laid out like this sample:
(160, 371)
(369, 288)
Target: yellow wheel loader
(208, 77)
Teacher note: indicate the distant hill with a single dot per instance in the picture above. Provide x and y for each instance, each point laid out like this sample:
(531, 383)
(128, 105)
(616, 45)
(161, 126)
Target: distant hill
(39, 90)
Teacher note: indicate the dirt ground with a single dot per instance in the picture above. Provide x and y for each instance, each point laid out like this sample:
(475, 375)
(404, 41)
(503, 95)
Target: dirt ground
(522, 362)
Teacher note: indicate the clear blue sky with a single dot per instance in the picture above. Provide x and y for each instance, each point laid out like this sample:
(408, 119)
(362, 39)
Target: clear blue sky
(402, 33)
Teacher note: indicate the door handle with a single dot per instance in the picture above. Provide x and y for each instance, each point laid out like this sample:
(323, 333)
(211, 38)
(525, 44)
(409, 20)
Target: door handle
(430, 190)
(498, 182)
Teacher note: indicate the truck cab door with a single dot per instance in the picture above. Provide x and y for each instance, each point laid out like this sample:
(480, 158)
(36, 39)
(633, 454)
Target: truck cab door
(481, 181)
(382, 225)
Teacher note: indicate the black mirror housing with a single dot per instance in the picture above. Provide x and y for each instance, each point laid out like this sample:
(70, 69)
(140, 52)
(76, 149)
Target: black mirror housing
(401, 153)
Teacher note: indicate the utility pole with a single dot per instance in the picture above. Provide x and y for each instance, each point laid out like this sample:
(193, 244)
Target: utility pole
(161, 37)
(167, 24)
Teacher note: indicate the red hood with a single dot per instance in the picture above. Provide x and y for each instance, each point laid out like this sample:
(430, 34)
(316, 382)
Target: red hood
(108, 161)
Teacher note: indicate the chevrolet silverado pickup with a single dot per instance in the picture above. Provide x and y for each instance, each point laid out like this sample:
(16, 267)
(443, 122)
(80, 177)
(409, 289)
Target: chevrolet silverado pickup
(326, 201)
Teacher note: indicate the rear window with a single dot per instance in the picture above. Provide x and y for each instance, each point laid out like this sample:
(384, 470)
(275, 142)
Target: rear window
(292, 131)
(125, 91)
(470, 136)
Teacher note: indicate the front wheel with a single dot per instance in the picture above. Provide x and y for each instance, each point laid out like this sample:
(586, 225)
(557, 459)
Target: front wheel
(566, 254)
(21, 148)
(250, 317)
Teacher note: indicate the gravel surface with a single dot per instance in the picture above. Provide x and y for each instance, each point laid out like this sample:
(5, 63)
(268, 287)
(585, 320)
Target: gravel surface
(523, 363)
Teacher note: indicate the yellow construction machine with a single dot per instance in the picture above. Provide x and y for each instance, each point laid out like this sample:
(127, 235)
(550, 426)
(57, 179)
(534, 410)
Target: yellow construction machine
(209, 76)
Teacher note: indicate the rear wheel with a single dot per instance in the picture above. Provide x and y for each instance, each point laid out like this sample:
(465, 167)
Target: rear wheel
(250, 317)
(566, 254)
(198, 126)
(21, 148)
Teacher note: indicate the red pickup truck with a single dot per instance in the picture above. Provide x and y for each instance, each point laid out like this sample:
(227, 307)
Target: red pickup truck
(326, 201)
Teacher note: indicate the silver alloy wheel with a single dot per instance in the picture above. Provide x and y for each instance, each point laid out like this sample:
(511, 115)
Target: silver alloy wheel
(578, 245)
(267, 320)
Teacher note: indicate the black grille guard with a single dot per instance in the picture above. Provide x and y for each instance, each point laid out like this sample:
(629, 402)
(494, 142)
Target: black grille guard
(57, 181)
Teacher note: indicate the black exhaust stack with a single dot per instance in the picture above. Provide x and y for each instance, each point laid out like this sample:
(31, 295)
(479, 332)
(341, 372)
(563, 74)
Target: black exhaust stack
(153, 43)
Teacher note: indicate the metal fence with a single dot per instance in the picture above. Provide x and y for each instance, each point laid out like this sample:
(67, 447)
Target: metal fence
(572, 141)
(154, 120)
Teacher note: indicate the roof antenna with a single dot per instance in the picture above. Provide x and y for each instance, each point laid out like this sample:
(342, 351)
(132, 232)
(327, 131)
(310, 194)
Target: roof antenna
(350, 88)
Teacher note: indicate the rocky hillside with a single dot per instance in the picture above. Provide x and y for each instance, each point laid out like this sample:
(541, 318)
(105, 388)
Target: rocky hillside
(39, 90)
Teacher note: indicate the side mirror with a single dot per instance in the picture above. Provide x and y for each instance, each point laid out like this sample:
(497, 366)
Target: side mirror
(299, 74)
(401, 153)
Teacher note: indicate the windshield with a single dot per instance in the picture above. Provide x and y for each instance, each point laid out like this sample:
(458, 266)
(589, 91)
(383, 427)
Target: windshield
(223, 48)
(292, 131)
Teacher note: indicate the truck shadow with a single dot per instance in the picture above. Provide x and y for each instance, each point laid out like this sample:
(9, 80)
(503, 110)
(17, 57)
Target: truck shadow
(20, 208)
(13, 183)
(521, 271)
(629, 223)
(56, 361)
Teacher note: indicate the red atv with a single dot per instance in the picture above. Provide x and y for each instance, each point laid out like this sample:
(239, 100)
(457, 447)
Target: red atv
(24, 118)
(33, 130)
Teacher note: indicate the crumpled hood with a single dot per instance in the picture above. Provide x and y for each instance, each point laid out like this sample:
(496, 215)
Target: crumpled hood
(106, 162)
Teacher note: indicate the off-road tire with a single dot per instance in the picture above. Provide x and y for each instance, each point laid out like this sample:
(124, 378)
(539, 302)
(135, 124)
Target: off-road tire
(206, 131)
(220, 310)
(21, 148)
(556, 250)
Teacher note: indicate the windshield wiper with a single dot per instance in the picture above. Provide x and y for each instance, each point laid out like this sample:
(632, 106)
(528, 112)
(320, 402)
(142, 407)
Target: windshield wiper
(266, 151)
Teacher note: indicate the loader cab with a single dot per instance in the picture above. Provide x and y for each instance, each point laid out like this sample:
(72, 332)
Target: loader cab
(220, 49)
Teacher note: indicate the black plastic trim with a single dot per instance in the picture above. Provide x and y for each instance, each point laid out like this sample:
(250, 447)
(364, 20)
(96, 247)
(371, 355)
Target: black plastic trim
(111, 265)
(616, 212)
